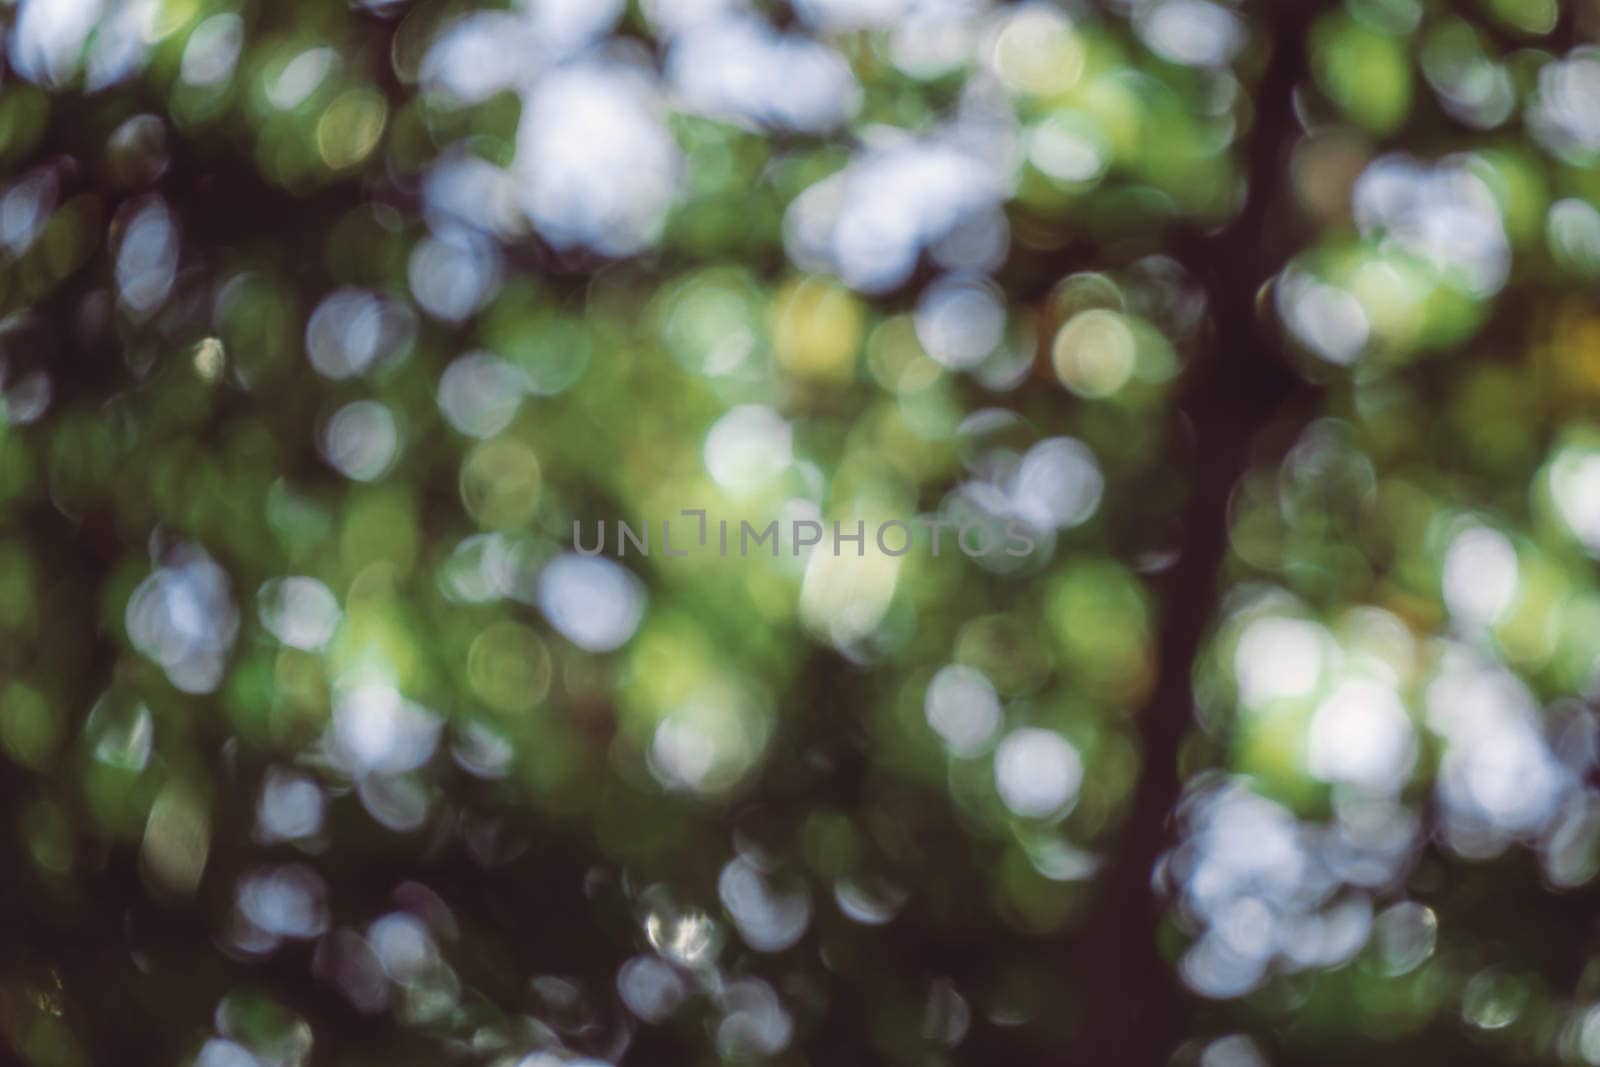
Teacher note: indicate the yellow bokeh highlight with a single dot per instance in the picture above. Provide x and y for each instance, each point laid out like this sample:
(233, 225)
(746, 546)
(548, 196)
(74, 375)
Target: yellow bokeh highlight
(817, 330)
(350, 128)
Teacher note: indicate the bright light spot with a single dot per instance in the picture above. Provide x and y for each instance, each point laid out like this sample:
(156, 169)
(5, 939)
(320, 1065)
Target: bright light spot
(1235, 1050)
(931, 40)
(290, 808)
(1573, 231)
(1444, 213)
(1240, 850)
(594, 603)
(453, 272)
(1405, 935)
(485, 567)
(482, 751)
(1068, 148)
(48, 40)
(1509, 777)
(845, 596)
(1569, 852)
(377, 731)
(147, 257)
(650, 988)
(123, 732)
(351, 126)
(1589, 1035)
(1492, 1000)
(480, 55)
(1575, 488)
(739, 67)
(1195, 33)
(595, 164)
(26, 207)
(710, 326)
(672, 16)
(26, 399)
(213, 50)
(755, 1025)
(962, 708)
(1498, 777)
(286, 901)
(1057, 485)
(709, 742)
(218, 1052)
(1361, 735)
(688, 938)
(1277, 658)
(563, 26)
(300, 78)
(960, 321)
(398, 802)
(870, 223)
(1327, 319)
(361, 440)
(121, 43)
(1037, 772)
(1566, 113)
(869, 903)
(479, 394)
(1480, 576)
(1038, 52)
(301, 612)
(1095, 352)
(770, 914)
(177, 839)
(183, 618)
(209, 359)
(1472, 87)
(748, 448)
(353, 329)
(474, 192)
(403, 946)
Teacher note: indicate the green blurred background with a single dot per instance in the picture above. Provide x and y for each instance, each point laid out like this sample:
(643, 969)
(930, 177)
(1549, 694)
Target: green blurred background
(323, 324)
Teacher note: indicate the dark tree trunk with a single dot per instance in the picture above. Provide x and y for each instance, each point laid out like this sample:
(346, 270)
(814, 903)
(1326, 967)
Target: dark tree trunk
(1137, 1010)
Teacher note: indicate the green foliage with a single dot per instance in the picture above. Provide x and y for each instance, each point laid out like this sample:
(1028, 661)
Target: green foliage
(331, 334)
